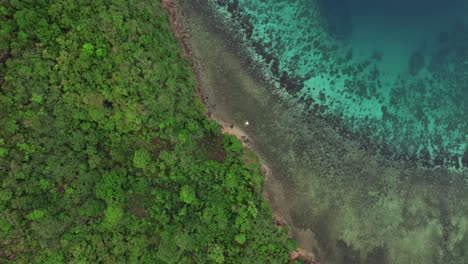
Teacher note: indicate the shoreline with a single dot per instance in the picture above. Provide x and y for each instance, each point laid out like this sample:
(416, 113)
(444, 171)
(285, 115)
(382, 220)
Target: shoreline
(180, 35)
(236, 131)
(269, 188)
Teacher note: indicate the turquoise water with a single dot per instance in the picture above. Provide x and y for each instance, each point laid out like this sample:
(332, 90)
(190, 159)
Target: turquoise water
(392, 73)
(336, 144)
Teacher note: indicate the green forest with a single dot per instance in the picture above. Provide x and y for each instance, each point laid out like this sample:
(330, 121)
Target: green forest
(106, 155)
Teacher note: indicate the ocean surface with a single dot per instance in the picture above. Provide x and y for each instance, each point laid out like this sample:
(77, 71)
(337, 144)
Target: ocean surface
(393, 73)
(359, 107)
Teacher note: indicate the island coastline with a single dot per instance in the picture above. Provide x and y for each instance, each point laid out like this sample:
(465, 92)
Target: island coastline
(272, 189)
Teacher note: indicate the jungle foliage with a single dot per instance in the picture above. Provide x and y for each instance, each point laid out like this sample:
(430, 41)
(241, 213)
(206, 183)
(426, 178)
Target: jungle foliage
(105, 153)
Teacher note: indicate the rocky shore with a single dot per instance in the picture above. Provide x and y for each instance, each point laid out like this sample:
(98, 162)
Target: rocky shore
(177, 27)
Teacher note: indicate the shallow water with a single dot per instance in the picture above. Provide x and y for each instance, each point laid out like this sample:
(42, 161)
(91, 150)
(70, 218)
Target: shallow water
(392, 73)
(346, 199)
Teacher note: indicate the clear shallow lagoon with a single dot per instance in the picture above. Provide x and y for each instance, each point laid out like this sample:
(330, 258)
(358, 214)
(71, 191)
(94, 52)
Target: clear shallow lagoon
(346, 111)
(393, 72)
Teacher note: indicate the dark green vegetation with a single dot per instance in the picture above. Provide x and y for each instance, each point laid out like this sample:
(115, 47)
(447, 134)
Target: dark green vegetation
(105, 154)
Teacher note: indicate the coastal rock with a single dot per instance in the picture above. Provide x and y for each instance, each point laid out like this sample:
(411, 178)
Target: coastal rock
(302, 255)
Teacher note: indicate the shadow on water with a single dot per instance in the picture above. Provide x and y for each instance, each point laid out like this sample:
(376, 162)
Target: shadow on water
(344, 203)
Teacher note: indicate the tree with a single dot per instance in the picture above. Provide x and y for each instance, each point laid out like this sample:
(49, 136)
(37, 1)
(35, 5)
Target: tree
(141, 158)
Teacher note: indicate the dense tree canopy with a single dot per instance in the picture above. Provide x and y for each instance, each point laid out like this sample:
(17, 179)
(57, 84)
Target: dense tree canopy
(105, 154)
